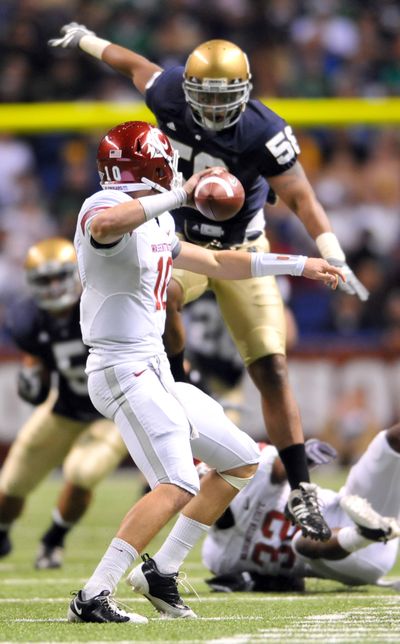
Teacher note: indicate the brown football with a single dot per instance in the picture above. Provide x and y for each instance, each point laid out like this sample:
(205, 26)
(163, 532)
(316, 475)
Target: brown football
(219, 196)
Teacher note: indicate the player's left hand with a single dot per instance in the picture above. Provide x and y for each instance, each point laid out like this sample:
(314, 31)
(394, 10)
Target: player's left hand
(318, 452)
(352, 285)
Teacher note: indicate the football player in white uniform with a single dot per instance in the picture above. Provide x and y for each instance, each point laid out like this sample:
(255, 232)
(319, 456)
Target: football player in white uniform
(126, 245)
(253, 546)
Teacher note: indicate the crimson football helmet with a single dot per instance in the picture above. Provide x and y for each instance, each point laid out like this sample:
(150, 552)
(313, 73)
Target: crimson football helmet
(137, 156)
(216, 83)
(51, 269)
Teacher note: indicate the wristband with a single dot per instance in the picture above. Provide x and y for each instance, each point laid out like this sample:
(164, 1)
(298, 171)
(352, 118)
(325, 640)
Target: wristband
(271, 264)
(155, 205)
(329, 247)
(93, 45)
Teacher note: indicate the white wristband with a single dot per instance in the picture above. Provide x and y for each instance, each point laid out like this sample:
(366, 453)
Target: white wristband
(93, 45)
(329, 247)
(271, 264)
(155, 205)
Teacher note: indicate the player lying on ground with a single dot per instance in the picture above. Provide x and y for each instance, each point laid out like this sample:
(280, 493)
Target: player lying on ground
(206, 110)
(253, 546)
(126, 246)
(65, 429)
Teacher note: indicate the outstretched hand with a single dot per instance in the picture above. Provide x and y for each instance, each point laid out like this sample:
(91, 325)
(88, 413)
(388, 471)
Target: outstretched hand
(316, 268)
(71, 35)
(190, 185)
(352, 285)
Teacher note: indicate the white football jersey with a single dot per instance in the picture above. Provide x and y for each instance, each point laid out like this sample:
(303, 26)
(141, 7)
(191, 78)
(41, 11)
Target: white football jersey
(124, 285)
(261, 538)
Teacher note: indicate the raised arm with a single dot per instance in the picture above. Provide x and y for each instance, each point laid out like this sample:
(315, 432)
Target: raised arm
(295, 190)
(127, 62)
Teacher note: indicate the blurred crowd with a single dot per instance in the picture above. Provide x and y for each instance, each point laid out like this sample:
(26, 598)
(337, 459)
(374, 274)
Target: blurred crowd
(306, 48)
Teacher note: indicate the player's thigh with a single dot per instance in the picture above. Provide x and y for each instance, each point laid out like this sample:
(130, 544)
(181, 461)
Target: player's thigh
(40, 446)
(96, 452)
(193, 285)
(152, 422)
(376, 477)
(220, 443)
(254, 315)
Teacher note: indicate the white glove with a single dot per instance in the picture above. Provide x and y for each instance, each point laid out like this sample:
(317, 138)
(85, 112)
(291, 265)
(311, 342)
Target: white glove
(71, 35)
(352, 285)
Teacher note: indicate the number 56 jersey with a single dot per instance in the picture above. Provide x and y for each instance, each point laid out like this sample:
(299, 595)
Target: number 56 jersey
(259, 536)
(124, 285)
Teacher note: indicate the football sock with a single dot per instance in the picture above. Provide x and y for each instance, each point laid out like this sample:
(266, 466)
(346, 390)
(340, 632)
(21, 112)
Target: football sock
(177, 368)
(351, 540)
(295, 461)
(119, 556)
(55, 535)
(183, 536)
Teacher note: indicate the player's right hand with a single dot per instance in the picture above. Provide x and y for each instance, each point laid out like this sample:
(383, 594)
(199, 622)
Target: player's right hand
(319, 269)
(71, 35)
(190, 185)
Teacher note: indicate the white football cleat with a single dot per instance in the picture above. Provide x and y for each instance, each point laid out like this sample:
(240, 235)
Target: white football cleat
(370, 523)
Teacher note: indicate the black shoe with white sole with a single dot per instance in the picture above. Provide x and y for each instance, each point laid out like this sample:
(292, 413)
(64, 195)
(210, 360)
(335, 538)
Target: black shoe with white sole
(303, 509)
(100, 609)
(160, 589)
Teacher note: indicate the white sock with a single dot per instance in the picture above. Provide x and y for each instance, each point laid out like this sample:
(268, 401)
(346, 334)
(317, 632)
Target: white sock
(119, 556)
(183, 536)
(351, 540)
(58, 520)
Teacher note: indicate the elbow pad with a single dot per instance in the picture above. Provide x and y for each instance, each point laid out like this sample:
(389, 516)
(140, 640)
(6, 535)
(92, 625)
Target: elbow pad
(33, 385)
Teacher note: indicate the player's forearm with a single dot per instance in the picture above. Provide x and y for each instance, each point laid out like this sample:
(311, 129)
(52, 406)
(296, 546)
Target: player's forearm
(127, 62)
(237, 265)
(122, 60)
(312, 549)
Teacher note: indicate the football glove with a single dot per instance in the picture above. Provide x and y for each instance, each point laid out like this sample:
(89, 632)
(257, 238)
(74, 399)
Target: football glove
(352, 285)
(319, 453)
(71, 36)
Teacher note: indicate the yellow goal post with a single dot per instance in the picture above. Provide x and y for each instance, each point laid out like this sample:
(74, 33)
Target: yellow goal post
(34, 118)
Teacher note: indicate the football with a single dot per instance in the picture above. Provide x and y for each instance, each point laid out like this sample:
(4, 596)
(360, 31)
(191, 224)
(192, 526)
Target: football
(219, 196)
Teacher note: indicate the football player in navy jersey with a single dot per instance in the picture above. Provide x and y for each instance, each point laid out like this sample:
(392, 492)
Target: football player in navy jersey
(65, 428)
(205, 110)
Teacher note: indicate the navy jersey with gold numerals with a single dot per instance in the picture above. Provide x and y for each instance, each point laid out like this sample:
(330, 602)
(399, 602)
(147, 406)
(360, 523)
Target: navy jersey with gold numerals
(258, 146)
(57, 342)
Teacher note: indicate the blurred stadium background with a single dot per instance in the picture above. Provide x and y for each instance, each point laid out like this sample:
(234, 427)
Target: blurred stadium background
(345, 355)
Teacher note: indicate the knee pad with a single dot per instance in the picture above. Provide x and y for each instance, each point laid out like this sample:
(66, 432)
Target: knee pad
(236, 481)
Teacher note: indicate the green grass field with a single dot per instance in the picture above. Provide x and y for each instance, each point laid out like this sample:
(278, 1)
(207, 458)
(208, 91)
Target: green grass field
(33, 604)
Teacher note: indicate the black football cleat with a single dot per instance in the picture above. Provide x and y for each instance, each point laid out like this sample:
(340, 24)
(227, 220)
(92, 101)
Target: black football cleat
(303, 510)
(5, 544)
(100, 609)
(49, 557)
(160, 589)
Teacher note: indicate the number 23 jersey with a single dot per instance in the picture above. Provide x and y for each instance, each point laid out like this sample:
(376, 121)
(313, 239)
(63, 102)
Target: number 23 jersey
(124, 285)
(260, 538)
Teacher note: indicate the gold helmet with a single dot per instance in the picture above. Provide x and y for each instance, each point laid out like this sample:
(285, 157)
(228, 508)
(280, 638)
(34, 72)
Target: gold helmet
(217, 83)
(51, 269)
